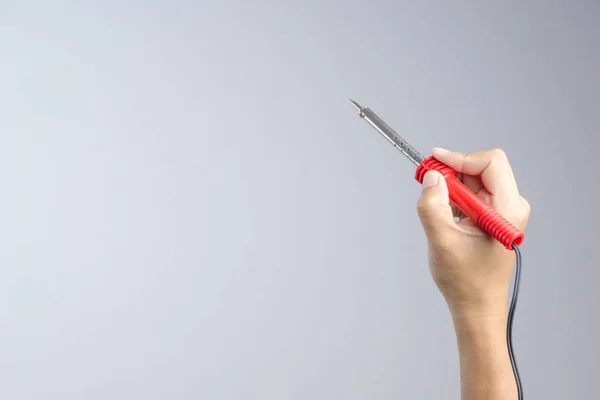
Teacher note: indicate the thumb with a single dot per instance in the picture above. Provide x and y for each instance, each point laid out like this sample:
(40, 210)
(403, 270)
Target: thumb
(434, 208)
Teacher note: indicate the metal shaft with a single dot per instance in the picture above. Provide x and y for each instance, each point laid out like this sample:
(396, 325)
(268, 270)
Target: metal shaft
(405, 148)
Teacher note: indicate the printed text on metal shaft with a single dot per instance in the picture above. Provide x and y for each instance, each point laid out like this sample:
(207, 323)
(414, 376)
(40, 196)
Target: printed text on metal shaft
(410, 152)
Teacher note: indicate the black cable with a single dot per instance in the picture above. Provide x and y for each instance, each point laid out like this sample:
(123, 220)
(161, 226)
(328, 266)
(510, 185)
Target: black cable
(511, 314)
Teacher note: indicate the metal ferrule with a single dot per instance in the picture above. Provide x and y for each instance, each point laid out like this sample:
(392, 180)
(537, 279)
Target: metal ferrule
(405, 148)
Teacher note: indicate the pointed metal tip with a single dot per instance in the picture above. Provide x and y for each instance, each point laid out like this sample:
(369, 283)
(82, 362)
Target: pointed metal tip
(355, 104)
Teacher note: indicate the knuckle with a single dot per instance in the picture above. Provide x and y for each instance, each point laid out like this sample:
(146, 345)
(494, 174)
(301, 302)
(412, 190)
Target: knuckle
(520, 212)
(498, 154)
(464, 159)
(423, 206)
(526, 207)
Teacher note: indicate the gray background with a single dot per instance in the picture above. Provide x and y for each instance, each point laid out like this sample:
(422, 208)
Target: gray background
(191, 209)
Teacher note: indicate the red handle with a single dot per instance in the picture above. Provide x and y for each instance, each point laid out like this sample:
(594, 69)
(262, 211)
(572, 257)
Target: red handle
(472, 205)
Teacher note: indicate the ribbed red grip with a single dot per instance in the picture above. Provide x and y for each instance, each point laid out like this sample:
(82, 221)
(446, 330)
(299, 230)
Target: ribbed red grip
(472, 205)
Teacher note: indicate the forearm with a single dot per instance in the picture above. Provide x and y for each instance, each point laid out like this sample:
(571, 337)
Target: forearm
(485, 368)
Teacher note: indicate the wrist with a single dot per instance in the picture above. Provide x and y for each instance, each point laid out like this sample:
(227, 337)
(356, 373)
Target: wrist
(487, 313)
(482, 325)
(472, 308)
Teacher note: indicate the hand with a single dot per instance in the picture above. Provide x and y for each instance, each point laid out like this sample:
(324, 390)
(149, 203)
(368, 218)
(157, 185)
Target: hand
(471, 269)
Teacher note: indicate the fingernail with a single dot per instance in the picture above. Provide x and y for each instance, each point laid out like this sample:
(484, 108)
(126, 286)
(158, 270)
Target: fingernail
(431, 178)
(439, 150)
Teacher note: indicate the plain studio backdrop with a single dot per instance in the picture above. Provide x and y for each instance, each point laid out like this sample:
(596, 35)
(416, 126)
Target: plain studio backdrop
(191, 209)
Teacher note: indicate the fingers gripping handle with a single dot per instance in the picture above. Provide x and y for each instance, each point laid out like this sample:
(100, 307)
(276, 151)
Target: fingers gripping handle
(472, 205)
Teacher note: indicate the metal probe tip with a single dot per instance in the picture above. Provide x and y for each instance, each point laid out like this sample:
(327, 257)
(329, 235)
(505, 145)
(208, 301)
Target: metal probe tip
(355, 104)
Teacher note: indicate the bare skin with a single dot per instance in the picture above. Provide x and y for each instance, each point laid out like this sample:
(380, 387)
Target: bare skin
(472, 270)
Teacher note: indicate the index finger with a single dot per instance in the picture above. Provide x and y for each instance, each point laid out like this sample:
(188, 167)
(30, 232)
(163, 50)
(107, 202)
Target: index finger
(491, 165)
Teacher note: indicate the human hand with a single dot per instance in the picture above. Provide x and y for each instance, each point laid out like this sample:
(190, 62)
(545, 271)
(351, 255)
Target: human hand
(471, 269)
